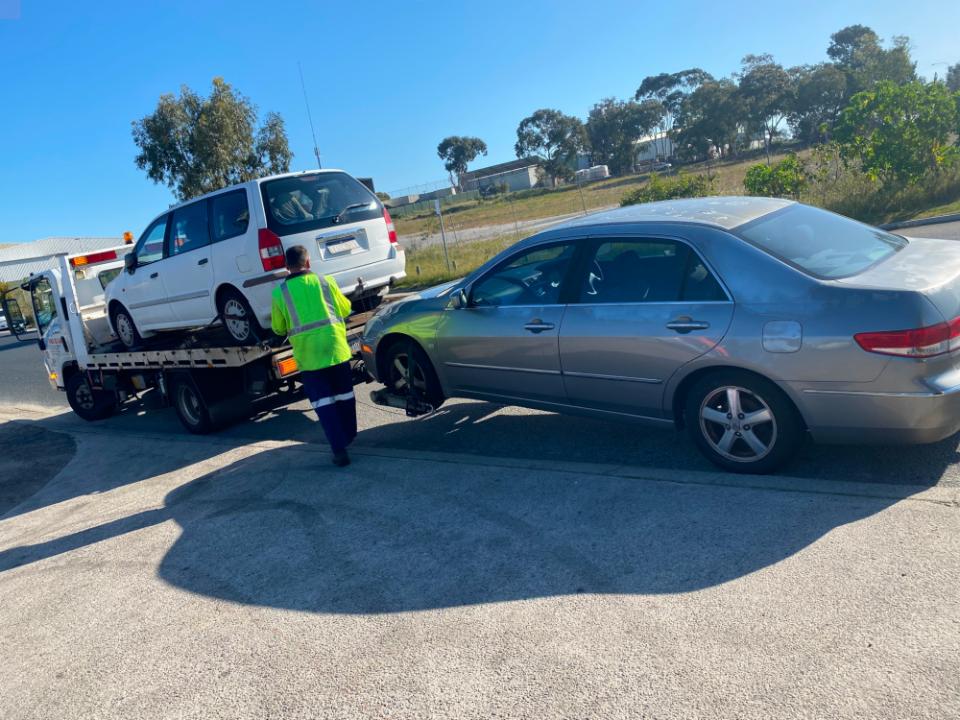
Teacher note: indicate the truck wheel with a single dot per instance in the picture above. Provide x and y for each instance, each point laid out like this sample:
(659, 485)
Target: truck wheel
(190, 406)
(124, 326)
(88, 403)
(238, 318)
(742, 422)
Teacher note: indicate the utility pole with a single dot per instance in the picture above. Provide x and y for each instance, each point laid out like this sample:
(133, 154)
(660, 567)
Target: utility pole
(303, 86)
(443, 235)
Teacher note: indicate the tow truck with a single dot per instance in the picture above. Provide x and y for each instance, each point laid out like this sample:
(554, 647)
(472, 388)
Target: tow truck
(209, 384)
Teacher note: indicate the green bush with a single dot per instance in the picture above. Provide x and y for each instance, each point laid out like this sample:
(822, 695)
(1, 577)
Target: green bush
(682, 185)
(787, 178)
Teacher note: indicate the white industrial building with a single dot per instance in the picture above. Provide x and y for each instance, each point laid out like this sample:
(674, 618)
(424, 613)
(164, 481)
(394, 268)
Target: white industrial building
(18, 261)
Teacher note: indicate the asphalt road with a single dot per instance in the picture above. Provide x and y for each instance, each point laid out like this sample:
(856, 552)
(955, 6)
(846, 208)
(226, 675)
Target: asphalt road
(23, 381)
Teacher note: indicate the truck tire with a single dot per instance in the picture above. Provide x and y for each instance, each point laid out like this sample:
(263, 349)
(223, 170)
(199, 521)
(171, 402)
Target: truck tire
(190, 406)
(88, 403)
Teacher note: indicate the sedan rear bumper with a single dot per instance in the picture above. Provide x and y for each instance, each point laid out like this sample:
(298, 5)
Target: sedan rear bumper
(835, 416)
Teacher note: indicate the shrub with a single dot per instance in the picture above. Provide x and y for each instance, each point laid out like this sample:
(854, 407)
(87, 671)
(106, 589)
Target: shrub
(787, 178)
(682, 185)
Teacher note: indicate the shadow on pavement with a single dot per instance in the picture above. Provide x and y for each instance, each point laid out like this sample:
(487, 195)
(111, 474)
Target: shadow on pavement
(283, 529)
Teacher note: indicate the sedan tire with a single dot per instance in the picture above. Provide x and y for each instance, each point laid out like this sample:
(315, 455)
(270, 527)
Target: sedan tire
(396, 366)
(742, 422)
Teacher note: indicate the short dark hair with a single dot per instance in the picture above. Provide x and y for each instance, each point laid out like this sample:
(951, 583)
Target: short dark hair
(297, 257)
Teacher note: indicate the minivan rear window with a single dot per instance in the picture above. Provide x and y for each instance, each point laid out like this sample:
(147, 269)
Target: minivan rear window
(820, 243)
(308, 202)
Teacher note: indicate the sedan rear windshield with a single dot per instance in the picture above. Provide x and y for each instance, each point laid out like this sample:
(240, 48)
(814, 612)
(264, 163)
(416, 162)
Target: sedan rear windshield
(308, 202)
(820, 243)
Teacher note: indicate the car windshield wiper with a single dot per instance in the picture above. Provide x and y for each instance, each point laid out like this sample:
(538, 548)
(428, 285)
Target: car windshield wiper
(355, 206)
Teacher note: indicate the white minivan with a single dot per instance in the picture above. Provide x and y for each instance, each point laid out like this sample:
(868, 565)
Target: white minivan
(221, 255)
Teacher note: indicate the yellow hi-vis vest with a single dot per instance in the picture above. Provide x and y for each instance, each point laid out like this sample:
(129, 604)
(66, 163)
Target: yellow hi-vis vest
(311, 312)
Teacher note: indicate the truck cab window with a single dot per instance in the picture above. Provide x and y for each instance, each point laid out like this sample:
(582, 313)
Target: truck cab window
(44, 304)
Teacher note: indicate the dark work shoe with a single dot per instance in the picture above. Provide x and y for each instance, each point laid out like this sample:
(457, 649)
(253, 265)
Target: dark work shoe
(341, 459)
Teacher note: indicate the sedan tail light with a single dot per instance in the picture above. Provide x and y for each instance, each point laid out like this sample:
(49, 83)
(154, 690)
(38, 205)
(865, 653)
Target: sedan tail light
(271, 250)
(922, 342)
(391, 230)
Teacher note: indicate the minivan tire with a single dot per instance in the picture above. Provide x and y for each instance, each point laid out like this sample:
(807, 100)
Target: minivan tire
(235, 304)
(124, 327)
(87, 402)
(728, 439)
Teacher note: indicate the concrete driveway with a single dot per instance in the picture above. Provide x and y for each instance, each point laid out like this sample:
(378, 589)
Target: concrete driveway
(231, 577)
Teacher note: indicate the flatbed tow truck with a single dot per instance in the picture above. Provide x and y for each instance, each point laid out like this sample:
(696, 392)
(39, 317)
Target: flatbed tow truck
(208, 384)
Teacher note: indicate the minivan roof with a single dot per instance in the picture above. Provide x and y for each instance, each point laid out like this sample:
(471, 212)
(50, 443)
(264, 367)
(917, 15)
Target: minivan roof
(248, 182)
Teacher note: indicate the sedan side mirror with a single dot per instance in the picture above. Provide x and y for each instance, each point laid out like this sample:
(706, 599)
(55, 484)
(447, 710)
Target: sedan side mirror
(130, 262)
(461, 299)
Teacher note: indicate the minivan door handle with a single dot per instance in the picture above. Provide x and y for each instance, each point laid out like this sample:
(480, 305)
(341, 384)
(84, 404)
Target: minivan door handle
(154, 276)
(685, 324)
(203, 261)
(538, 326)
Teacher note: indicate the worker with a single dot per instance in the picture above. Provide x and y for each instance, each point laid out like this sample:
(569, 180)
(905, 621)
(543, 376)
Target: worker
(311, 310)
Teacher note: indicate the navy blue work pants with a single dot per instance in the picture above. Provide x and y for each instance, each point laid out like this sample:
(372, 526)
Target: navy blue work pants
(330, 391)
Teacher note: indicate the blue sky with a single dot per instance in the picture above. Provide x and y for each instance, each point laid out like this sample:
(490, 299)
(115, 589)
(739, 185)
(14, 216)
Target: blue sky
(386, 81)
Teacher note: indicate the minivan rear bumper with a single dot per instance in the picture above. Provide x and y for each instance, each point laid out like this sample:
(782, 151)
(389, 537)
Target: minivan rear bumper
(907, 418)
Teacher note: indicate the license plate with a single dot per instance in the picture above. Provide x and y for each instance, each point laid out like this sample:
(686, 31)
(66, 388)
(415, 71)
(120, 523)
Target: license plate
(342, 246)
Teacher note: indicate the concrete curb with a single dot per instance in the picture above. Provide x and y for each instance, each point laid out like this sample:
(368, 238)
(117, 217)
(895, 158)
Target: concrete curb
(935, 220)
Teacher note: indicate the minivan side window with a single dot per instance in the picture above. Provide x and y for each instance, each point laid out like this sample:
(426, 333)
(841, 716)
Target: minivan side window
(188, 229)
(149, 247)
(647, 271)
(533, 277)
(229, 215)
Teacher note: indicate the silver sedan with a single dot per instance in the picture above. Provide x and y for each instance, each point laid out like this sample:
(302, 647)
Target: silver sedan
(752, 322)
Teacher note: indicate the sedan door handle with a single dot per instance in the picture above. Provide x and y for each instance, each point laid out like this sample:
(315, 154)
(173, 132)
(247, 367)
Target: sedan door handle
(203, 261)
(686, 324)
(537, 326)
(154, 276)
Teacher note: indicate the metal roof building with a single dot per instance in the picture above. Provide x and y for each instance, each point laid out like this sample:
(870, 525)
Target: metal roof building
(18, 261)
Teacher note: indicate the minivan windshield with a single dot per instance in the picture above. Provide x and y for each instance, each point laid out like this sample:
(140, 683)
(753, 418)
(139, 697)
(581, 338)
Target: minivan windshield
(308, 202)
(820, 243)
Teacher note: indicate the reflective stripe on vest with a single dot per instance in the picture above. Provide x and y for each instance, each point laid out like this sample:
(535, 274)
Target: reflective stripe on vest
(326, 299)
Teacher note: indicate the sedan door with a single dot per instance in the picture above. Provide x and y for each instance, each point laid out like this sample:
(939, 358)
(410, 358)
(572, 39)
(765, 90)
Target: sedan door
(143, 292)
(188, 272)
(503, 344)
(644, 308)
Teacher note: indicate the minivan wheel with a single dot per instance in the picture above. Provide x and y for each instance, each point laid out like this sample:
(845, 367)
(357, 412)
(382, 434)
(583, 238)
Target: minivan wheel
(125, 328)
(238, 318)
(742, 422)
(88, 403)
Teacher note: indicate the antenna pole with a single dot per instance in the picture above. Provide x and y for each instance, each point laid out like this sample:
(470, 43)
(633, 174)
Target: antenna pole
(313, 134)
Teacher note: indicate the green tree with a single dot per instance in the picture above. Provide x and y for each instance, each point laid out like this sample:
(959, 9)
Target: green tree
(670, 90)
(953, 78)
(709, 120)
(613, 128)
(859, 54)
(821, 93)
(195, 145)
(767, 92)
(457, 152)
(554, 138)
(900, 132)
(787, 178)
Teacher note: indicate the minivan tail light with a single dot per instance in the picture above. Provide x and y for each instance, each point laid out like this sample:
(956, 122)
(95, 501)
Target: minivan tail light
(391, 230)
(922, 342)
(271, 250)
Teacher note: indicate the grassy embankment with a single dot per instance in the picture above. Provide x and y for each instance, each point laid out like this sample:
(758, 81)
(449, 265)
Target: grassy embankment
(518, 207)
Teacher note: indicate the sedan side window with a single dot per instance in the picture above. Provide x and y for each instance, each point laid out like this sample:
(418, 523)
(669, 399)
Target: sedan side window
(534, 277)
(150, 245)
(188, 229)
(647, 271)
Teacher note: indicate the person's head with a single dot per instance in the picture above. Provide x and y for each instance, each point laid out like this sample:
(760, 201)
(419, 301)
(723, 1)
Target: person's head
(297, 258)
